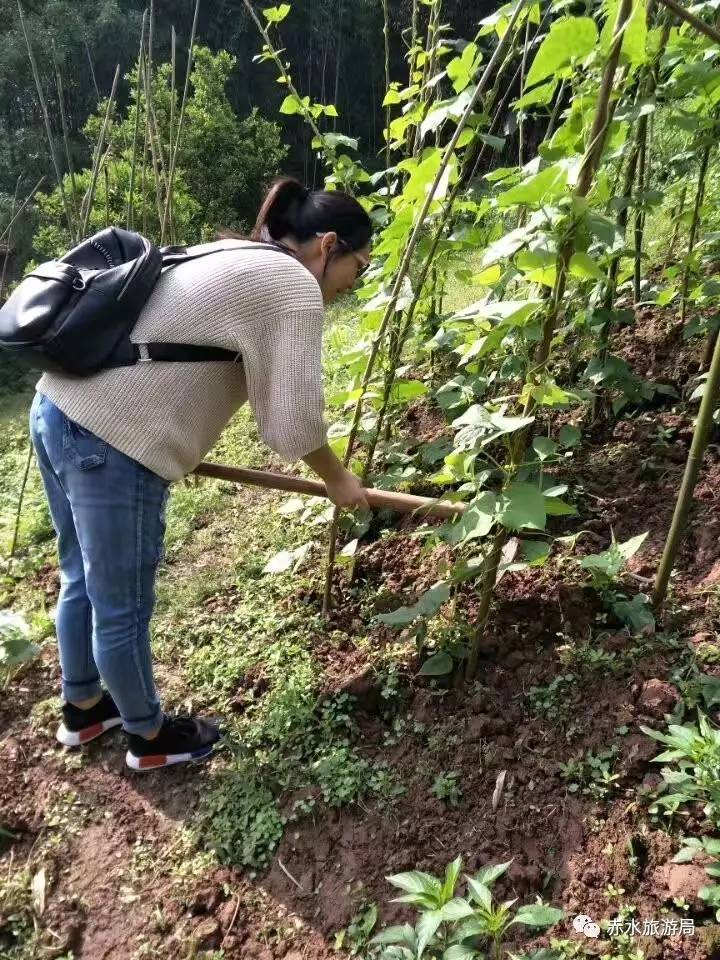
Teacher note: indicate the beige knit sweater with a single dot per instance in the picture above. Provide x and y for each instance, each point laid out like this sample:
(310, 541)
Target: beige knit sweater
(262, 303)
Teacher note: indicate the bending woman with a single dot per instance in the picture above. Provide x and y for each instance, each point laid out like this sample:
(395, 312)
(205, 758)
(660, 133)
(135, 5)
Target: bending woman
(109, 446)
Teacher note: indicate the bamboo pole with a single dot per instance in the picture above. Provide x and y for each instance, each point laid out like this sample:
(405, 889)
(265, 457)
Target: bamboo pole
(130, 218)
(712, 33)
(46, 121)
(386, 35)
(694, 224)
(690, 477)
(404, 267)
(86, 207)
(379, 499)
(181, 120)
(66, 140)
(590, 164)
(173, 55)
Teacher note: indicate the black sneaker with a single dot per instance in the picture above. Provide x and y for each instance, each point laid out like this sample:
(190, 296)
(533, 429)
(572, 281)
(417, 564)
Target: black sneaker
(82, 726)
(181, 740)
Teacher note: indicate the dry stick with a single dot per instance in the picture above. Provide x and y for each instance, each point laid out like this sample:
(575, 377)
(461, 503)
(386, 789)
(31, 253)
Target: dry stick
(66, 139)
(9, 243)
(694, 224)
(141, 56)
(692, 471)
(712, 33)
(86, 207)
(403, 270)
(6, 232)
(381, 499)
(426, 94)
(46, 120)
(154, 149)
(181, 120)
(590, 163)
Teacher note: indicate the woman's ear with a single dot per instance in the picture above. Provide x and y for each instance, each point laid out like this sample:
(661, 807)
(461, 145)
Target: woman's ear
(327, 243)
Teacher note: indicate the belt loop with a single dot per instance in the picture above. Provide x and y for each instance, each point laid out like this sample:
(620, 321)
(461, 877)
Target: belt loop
(144, 352)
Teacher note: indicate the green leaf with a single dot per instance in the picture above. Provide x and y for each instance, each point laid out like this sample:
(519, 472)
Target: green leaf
(291, 104)
(476, 522)
(452, 872)
(538, 915)
(457, 909)
(569, 436)
(569, 40)
(276, 14)
(542, 95)
(582, 265)
(438, 665)
(636, 613)
(524, 507)
(415, 881)
(398, 934)
(406, 390)
(634, 42)
(428, 604)
(459, 951)
(544, 447)
(492, 872)
(539, 188)
(460, 70)
(535, 552)
(480, 892)
(426, 928)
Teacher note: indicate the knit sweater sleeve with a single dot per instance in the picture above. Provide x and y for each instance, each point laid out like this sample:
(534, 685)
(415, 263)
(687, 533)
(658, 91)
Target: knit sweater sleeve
(282, 357)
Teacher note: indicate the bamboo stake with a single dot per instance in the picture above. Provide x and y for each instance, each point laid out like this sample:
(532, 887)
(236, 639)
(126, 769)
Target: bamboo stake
(522, 84)
(590, 164)
(639, 205)
(46, 120)
(677, 216)
(173, 46)
(89, 199)
(403, 268)
(690, 477)
(181, 120)
(21, 498)
(694, 224)
(130, 218)
(379, 499)
(92, 71)
(66, 140)
(386, 34)
(712, 33)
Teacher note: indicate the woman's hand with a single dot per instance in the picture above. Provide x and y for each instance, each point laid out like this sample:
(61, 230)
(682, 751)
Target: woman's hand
(346, 490)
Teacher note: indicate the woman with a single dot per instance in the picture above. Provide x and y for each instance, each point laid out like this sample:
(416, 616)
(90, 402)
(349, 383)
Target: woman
(109, 445)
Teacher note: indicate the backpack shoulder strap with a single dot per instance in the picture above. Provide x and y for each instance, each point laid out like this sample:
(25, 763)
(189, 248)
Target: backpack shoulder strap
(174, 256)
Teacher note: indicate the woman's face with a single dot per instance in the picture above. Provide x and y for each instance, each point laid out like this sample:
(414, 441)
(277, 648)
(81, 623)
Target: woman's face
(336, 270)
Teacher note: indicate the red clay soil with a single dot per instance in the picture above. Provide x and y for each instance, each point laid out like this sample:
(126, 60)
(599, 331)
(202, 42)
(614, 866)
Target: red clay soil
(570, 848)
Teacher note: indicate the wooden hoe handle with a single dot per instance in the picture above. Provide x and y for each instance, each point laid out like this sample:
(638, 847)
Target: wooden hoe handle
(399, 502)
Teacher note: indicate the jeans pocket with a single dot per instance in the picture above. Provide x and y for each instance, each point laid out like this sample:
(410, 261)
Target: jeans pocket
(81, 447)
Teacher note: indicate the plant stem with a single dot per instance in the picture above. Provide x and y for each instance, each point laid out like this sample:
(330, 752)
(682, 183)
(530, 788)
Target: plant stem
(6, 232)
(590, 164)
(692, 471)
(21, 498)
(403, 268)
(677, 217)
(522, 84)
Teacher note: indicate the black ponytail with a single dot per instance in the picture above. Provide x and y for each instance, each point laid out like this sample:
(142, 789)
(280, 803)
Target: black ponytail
(291, 209)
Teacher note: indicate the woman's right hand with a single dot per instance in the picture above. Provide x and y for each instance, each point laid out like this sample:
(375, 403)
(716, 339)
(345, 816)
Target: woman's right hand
(346, 490)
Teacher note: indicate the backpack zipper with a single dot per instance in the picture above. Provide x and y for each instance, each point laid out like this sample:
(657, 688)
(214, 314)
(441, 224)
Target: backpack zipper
(104, 251)
(129, 278)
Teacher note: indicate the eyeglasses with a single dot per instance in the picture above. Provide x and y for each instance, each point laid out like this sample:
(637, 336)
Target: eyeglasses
(362, 264)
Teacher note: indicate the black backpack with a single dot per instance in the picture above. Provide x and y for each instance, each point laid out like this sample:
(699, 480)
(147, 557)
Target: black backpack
(75, 315)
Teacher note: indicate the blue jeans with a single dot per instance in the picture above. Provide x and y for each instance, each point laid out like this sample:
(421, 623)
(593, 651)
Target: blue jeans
(109, 515)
